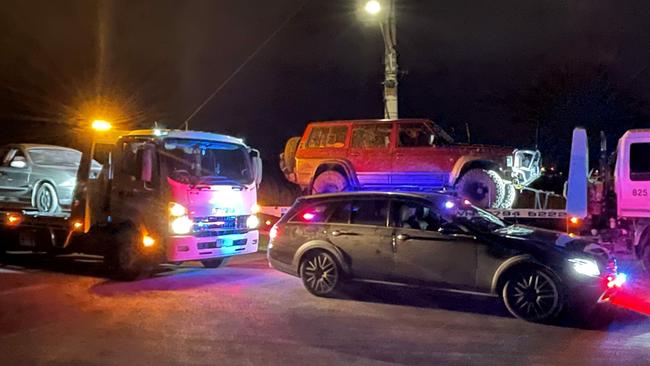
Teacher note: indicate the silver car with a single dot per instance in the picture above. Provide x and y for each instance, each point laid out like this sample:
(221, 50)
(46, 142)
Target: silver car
(37, 176)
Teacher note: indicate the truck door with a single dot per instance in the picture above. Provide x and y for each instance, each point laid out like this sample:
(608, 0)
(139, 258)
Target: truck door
(633, 175)
(370, 153)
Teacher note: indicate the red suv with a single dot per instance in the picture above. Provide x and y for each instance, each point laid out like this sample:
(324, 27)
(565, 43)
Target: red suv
(405, 154)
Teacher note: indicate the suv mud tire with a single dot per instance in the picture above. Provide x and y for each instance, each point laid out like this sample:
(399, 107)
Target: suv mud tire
(482, 187)
(330, 182)
(289, 155)
(509, 197)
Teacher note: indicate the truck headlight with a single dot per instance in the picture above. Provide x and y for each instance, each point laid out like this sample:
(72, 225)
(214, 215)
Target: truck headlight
(252, 222)
(585, 267)
(177, 210)
(181, 225)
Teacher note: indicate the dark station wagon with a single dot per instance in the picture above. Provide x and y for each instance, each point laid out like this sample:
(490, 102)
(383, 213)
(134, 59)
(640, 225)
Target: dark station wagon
(440, 241)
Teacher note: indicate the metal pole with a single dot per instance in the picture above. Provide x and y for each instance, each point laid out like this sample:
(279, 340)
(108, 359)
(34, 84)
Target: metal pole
(388, 29)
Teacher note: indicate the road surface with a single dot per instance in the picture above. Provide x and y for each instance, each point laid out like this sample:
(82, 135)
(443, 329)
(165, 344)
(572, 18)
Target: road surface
(64, 311)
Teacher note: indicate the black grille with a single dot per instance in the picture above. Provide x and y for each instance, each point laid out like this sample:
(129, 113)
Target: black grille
(219, 225)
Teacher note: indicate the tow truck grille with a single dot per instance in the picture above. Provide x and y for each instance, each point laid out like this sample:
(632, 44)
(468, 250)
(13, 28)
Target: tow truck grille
(219, 225)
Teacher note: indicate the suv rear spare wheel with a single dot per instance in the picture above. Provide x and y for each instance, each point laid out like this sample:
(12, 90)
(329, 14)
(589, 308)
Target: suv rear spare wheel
(482, 187)
(330, 181)
(288, 157)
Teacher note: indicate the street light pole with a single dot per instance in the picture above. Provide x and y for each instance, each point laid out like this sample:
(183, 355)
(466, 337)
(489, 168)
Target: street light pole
(388, 31)
(386, 12)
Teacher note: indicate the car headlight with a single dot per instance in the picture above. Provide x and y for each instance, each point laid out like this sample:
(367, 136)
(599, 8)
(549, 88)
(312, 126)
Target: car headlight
(585, 267)
(252, 222)
(181, 225)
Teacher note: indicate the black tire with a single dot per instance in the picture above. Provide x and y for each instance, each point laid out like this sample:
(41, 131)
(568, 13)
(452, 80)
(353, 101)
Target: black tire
(125, 260)
(484, 188)
(645, 258)
(289, 154)
(215, 262)
(510, 196)
(46, 199)
(533, 295)
(330, 181)
(321, 274)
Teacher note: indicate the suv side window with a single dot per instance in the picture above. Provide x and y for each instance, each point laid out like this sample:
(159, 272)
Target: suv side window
(414, 215)
(373, 136)
(369, 212)
(327, 136)
(414, 135)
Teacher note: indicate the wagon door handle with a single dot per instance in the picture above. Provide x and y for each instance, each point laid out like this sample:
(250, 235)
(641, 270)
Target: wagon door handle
(340, 233)
(403, 237)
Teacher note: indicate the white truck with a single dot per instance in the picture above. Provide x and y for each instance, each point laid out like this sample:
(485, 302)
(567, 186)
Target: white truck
(611, 204)
(161, 196)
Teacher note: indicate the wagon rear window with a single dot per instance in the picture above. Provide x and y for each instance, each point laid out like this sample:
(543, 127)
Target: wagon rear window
(640, 161)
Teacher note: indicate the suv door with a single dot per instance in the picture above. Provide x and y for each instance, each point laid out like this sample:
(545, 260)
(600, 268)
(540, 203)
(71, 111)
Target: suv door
(370, 153)
(359, 229)
(418, 159)
(423, 255)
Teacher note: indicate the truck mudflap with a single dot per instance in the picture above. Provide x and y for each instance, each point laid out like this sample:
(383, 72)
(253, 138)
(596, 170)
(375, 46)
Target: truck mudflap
(188, 248)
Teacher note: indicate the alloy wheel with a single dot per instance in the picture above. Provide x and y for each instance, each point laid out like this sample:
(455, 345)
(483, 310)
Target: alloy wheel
(320, 274)
(532, 295)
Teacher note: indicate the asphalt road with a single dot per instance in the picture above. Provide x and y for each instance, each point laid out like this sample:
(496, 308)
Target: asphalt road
(64, 311)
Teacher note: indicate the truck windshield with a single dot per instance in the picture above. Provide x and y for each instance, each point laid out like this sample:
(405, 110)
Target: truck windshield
(206, 162)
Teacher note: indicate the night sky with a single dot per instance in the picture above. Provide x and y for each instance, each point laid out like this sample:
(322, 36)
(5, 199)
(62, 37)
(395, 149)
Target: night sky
(502, 67)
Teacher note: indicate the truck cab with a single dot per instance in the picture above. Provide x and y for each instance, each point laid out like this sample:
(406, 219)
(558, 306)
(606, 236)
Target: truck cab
(161, 196)
(632, 174)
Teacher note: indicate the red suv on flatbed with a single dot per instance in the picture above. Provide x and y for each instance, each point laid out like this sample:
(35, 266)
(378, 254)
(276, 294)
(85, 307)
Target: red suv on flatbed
(405, 154)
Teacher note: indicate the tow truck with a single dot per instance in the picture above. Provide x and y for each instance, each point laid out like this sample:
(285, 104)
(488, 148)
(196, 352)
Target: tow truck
(161, 196)
(611, 204)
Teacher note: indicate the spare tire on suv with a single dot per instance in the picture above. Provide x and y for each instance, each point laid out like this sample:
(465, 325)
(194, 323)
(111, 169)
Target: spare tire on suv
(483, 187)
(288, 157)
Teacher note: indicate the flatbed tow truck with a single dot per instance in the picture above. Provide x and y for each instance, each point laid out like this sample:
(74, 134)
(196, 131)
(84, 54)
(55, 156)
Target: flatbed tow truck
(161, 196)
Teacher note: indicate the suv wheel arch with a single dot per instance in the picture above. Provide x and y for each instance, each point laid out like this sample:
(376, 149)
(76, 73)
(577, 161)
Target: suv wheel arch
(338, 166)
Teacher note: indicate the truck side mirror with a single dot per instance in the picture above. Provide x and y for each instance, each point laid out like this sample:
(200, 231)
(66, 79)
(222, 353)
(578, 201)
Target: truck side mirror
(146, 165)
(257, 165)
